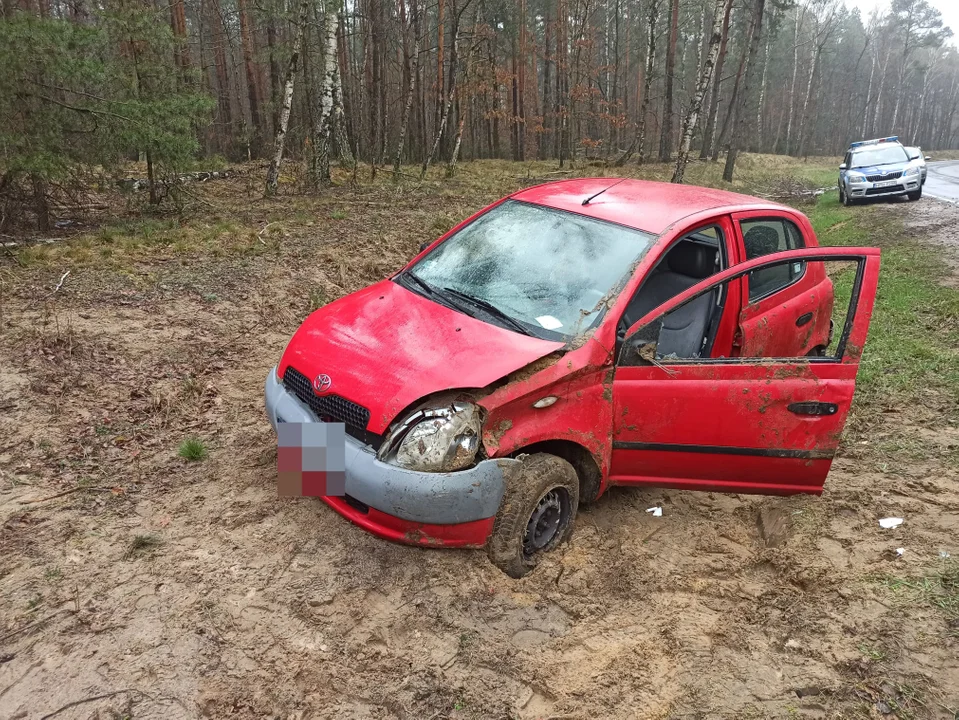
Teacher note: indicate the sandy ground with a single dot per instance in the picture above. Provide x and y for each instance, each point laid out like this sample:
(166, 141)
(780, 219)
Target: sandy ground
(171, 589)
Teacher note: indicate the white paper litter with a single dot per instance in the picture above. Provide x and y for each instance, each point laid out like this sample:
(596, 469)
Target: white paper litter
(890, 522)
(549, 322)
(943, 554)
(656, 511)
(900, 551)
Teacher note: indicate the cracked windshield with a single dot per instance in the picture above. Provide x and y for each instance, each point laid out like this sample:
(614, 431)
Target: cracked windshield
(546, 269)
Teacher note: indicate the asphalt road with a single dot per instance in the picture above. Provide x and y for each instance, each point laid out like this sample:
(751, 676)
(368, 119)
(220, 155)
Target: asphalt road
(942, 180)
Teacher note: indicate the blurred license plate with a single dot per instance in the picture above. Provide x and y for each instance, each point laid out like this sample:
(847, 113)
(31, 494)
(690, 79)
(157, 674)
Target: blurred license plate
(886, 183)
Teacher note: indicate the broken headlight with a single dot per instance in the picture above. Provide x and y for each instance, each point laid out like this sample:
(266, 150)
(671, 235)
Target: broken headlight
(439, 439)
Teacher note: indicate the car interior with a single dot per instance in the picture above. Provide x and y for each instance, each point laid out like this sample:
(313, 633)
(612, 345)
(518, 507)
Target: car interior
(687, 329)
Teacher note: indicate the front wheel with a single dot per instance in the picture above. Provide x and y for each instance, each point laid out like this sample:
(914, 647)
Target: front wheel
(844, 197)
(536, 516)
(915, 195)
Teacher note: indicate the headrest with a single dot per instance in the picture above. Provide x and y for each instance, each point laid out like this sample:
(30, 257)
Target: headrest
(692, 259)
(760, 240)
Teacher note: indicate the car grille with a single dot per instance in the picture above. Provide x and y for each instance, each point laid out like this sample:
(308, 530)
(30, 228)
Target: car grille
(332, 408)
(884, 190)
(880, 178)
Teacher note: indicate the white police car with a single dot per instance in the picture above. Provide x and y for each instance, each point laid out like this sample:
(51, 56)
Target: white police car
(879, 168)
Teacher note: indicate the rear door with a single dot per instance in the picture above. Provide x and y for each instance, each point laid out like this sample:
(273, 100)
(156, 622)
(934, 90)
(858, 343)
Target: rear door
(759, 423)
(780, 299)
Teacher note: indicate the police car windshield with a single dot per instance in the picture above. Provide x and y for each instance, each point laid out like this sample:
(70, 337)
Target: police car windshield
(881, 155)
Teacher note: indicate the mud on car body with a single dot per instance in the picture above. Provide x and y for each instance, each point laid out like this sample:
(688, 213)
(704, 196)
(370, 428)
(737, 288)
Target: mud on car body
(579, 335)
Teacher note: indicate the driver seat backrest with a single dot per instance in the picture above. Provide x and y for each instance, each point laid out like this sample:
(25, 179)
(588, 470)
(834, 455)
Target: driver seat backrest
(685, 327)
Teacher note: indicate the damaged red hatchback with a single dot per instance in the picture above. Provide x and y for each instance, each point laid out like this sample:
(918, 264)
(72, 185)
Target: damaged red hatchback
(578, 335)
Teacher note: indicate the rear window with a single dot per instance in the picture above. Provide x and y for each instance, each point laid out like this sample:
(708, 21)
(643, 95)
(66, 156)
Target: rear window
(765, 237)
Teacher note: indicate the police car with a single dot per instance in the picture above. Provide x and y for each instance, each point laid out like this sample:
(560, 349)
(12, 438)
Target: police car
(879, 168)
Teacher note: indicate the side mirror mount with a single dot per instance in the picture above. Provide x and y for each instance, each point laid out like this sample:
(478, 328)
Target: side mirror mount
(928, 158)
(843, 166)
(640, 348)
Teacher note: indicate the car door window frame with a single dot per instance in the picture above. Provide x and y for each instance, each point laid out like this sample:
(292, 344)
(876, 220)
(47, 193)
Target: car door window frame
(654, 317)
(726, 244)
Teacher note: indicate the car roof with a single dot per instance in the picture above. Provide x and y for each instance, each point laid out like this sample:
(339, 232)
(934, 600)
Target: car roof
(640, 204)
(876, 146)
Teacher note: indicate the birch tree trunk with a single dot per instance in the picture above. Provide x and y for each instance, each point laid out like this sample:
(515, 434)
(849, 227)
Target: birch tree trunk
(713, 117)
(705, 76)
(872, 74)
(273, 174)
(323, 131)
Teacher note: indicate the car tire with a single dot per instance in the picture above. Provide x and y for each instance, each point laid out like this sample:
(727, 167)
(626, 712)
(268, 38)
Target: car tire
(537, 514)
(844, 198)
(913, 196)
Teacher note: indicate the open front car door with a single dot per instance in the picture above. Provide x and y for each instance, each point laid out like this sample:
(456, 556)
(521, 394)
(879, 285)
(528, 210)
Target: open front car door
(756, 422)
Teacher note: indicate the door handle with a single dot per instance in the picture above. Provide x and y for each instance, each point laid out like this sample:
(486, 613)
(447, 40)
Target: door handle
(813, 408)
(803, 319)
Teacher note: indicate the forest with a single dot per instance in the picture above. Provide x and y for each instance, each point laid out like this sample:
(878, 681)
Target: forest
(401, 85)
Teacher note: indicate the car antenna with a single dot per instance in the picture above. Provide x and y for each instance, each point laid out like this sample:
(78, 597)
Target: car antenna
(586, 201)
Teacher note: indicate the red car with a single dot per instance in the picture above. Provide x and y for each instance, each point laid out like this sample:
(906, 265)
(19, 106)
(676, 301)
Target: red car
(578, 335)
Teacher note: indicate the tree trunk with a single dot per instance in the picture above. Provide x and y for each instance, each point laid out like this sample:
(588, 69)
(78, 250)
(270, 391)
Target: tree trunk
(734, 98)
(639, 139)
(323, 132)
(689, 123)
(414, 70)
(739, 127)
(253, 90)
(224, 103)
(792, 91)
(713, 118)
(758, 146)
(181, 52)
(666, 132)
(273, 174)
(448, 102)
(451, 165)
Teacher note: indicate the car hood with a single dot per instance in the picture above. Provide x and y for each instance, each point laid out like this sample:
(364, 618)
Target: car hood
(880, 169)
(386, 347)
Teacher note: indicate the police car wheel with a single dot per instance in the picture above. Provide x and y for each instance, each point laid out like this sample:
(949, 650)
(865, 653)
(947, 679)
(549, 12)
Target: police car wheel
(844, 197)
(915, 195)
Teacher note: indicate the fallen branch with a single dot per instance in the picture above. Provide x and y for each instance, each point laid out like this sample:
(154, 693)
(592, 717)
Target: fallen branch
(93, 698)
(26, 627)
(62, 278)
(80, 488)
(259, 235)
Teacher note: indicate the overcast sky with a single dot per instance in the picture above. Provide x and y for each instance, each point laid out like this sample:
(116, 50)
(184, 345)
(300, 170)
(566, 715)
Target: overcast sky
(948, 8)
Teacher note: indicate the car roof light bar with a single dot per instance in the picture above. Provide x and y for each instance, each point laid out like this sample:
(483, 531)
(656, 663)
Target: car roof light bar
(891, 138)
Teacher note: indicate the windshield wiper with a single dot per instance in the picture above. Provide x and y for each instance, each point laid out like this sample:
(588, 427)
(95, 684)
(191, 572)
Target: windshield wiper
(420, 283)
(489, 308)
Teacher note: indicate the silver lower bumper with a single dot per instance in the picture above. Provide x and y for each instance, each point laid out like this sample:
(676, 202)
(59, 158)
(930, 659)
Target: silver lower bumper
(906, 185)
(434, 498)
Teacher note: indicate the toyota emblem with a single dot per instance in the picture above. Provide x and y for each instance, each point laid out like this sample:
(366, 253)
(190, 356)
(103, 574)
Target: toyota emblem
(322, 383)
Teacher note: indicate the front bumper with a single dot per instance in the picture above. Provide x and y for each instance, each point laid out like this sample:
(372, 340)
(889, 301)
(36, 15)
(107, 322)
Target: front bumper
(865, 189)
(452, 509)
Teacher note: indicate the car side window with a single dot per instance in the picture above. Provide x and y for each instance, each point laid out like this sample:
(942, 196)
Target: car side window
(764, 236)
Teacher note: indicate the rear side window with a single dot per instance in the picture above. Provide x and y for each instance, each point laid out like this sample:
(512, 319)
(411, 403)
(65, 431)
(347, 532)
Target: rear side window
(765, 237)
